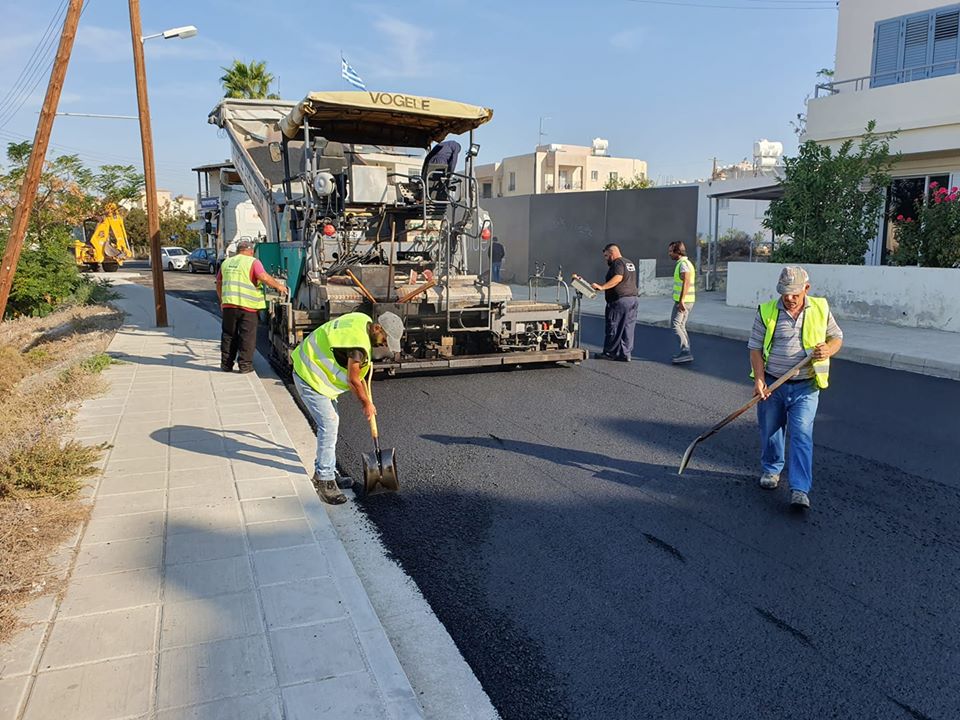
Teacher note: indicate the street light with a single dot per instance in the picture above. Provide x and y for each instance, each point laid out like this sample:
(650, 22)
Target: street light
(187, 31)
(146, 140)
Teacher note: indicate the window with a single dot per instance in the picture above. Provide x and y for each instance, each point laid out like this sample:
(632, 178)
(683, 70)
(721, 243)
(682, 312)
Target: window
(723, 203)
(594, 175)
(614, 176)
(512, 185)
(915, 47)
(486, 190)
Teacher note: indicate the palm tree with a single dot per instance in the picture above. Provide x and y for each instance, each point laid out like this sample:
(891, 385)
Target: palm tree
(249, 81)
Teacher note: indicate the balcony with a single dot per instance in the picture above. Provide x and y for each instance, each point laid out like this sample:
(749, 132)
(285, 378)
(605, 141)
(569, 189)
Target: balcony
(923, 109)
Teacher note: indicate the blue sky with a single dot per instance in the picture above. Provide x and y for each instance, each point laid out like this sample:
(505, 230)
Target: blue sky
(672, 84)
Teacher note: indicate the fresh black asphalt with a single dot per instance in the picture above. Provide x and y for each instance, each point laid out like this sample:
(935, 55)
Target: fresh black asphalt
(542, 518)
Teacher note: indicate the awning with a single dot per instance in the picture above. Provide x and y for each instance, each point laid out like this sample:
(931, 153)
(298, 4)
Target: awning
(381, 118)
(766, 192)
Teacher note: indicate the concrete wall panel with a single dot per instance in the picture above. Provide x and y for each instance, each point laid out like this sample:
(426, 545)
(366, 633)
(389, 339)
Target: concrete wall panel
(912, 297)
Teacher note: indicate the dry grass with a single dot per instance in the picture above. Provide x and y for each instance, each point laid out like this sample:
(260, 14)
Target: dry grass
(30, 531)
(47, 367)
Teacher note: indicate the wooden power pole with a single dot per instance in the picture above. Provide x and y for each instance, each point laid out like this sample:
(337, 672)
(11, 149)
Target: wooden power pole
(38, 154)
(149, 171)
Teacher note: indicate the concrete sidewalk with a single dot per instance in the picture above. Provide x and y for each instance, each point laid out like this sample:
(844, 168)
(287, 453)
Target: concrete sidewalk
(918, 350)
(209, 582)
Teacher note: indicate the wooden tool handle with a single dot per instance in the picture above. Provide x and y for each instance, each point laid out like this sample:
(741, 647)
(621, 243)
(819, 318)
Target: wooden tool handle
(373, 428)
(362, 289)
(416, 291)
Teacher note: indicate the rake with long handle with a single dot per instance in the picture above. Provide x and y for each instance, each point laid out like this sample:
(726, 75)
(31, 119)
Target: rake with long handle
(792, 372)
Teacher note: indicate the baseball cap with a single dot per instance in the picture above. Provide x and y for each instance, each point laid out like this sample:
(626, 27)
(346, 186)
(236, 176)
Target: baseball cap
(393, 326)
(245, 242)
(793, 279)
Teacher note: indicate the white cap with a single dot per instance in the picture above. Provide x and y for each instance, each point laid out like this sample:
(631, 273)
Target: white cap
(393, 326)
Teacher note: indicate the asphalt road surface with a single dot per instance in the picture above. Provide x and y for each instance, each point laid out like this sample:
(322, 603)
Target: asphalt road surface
(542, 517)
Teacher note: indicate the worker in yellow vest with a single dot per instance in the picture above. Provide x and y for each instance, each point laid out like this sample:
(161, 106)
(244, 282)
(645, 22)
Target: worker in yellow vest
(684, 295)
(333, 359)
(241, 298)
(784, 331)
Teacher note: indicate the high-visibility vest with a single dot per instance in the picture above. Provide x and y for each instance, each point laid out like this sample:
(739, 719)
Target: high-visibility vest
(814, 331)
(313, 359)
(235, 286)
(691, 295)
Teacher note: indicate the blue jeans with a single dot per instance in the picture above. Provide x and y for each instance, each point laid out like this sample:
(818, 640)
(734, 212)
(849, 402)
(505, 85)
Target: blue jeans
(496, 272)
(790, 409)
(621, 321)
(323, 410)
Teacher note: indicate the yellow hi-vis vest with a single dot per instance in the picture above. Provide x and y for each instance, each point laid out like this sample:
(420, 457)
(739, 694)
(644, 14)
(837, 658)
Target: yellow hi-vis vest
(313, 359)
(814, 331)
(235, 286)
(691, 295)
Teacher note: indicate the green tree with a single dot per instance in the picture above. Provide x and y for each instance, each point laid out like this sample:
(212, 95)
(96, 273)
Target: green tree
(249, 81)
(173, 228)
(68, 192)
(118, 183)
(832, 201)
(637, 182)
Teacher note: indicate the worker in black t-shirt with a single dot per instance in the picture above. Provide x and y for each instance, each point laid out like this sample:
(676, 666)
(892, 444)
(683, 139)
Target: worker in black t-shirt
(620, 292)
(497, 258)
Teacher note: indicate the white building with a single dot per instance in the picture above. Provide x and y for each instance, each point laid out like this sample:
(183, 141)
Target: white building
(556, 168)
(898, 62)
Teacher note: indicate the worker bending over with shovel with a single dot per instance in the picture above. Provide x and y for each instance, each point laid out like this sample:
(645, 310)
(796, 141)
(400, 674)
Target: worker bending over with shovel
(333, 359)
(785, 330)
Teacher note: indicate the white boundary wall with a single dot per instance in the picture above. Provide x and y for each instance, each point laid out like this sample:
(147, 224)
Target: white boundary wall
(909, 296)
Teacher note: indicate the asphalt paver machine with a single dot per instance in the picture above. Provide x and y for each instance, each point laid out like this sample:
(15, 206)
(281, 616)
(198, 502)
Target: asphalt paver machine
(350, 231)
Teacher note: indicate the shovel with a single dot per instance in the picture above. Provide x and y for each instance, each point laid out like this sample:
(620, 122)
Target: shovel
(792, 372)
(380, 466)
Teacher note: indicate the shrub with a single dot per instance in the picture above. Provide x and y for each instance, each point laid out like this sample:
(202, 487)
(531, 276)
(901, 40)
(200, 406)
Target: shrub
(932, 238)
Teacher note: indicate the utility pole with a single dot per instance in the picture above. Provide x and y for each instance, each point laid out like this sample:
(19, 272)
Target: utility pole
(536, 156)
(41, 140)
(149, 172)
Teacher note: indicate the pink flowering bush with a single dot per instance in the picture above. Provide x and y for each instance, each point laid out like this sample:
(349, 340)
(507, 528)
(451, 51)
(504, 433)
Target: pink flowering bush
(932, 237)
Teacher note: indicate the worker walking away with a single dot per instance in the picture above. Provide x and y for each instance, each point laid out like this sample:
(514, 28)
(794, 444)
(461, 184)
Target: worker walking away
(497, 255)
(620, 316)
(684, 295)
(784, 331)
(333, 359)
(239, 287)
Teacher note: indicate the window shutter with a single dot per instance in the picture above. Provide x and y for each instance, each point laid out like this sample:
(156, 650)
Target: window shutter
(916, 47)
(886, 52)
(945, 49)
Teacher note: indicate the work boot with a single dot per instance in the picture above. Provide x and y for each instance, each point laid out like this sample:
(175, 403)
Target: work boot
(799, 500)
(769, 481)
(684, 356)
(328, 490)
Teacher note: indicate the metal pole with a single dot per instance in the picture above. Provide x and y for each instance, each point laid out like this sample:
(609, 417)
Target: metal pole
(41, 140)
(149, 171)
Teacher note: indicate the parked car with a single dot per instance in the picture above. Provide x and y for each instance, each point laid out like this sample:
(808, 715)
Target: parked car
(173, 258)
(203, 260)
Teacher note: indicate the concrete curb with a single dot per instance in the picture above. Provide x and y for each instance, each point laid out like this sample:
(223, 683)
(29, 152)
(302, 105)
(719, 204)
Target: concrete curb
(907, 362)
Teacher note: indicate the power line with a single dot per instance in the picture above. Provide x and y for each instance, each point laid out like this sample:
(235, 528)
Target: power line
(35, 55)
(37, 77)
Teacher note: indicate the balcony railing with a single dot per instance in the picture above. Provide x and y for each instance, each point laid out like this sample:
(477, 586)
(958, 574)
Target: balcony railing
(897, 77)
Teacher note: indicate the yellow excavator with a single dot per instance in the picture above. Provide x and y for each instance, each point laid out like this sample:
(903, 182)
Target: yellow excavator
(104, 242)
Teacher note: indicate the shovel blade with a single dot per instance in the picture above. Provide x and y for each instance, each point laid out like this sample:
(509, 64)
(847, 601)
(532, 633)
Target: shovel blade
(686, 456)
(379, 475)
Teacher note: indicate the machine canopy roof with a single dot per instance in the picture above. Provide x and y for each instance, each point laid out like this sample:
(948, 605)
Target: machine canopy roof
(381, 118)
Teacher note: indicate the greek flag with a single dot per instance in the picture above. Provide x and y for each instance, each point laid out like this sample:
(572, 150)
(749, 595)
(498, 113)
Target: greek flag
(350, 75)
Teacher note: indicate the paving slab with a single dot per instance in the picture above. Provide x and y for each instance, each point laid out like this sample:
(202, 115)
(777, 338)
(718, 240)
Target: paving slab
(209, 582)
